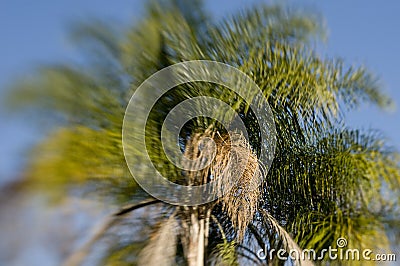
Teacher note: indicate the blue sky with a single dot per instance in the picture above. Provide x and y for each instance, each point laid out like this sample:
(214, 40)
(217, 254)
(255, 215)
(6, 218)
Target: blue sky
(35, 32)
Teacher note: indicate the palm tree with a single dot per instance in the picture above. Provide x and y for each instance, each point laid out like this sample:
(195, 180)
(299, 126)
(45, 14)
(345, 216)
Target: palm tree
(326, 181)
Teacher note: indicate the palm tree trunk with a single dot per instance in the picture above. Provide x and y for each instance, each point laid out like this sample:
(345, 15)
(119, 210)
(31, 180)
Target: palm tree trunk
(197, 233)
(195, 252)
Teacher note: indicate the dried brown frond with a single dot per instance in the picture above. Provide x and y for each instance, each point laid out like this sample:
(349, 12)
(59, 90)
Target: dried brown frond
(199, 149)
(235, 169)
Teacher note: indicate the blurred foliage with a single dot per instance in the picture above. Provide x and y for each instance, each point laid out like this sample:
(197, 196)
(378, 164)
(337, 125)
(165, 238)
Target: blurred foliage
(326, 181)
